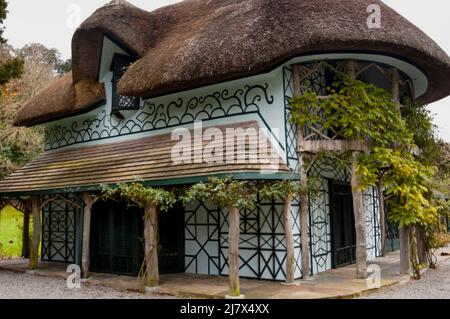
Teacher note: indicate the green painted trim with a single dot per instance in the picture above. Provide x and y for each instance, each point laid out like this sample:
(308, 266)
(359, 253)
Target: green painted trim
(159, 183)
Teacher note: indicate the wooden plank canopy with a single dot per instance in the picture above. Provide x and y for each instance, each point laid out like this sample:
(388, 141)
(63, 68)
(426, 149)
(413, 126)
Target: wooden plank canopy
(145, 159)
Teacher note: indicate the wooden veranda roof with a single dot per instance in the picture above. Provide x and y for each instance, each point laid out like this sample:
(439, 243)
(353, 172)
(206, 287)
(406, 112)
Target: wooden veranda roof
(145, 159)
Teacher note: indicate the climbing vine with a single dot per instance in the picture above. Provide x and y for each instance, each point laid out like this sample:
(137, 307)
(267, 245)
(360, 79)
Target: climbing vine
(351, 109)
(223, 192)
(284, 188)
(137, 193)
(359, 111)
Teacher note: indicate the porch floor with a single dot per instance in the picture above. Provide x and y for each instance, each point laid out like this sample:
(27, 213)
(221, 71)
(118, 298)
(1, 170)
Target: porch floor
(336, 283)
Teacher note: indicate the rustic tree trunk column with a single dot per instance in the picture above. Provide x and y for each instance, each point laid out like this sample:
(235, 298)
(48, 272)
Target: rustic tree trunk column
(87, 212)
(358, 207)
(304, 198)
(360, 223)
(405, 256)
(395, 88)
(233, 251)
(304, 210)
(405, 252)
(421, 249)
(382, 219)
(34, 253)
(289, 237)
(151, 245)
(26, 234)
(413, 253)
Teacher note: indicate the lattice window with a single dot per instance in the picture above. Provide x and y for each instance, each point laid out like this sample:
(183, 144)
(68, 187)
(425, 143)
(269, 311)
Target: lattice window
(262, 250)
(120, 102)
(291, 128)
(262, 240)
(202, 239)
(373, 231)
(59, 229)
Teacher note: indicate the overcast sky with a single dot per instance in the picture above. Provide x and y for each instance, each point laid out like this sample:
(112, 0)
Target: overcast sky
(52, 23)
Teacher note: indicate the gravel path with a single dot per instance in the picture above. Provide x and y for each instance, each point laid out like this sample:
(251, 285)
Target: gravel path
(25, 286)
(435, 284)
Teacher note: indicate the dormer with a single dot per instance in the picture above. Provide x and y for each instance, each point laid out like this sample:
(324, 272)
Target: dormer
(115, 60)
(119, 66)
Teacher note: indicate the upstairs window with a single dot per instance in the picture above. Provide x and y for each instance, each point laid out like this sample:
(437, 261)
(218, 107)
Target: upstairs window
(119, 66)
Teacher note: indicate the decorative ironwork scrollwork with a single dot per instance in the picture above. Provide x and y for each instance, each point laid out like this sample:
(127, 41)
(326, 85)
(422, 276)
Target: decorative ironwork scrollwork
(153, 116)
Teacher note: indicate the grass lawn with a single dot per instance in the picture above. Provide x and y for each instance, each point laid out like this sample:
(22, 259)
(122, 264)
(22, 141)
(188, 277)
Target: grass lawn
(11, 222)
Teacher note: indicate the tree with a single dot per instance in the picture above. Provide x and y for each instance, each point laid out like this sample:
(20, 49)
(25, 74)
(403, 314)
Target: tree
(19, 145)
(12, 67)
(36, 53)
(3, 13)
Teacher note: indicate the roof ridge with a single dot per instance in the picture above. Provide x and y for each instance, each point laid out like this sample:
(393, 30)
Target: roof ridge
(119, 2)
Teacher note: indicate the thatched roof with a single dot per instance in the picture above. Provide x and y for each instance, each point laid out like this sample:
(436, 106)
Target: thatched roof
(119, 20)
(200, 42)
(60, 99)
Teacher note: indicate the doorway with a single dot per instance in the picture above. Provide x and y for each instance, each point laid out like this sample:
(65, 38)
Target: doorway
(116, 239)
(171, 240)
(117, 244)
(343, 234)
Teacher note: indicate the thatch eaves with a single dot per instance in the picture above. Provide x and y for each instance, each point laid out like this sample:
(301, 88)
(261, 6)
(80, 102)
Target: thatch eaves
(128, 25)
(60, 99)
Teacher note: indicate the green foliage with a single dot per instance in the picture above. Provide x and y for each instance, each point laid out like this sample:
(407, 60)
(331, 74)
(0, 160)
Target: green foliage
(407, 188)
(19, 145)
(140, 195)
(11, 69)
(360, 111)
(64, 66)
(3, 13)
(284, 188)
(223, 192)
(432, 150)
(434, 239)
(356, 110)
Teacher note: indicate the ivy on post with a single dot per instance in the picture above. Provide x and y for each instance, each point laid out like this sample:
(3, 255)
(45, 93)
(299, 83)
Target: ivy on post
(233, 195)
(151, 201)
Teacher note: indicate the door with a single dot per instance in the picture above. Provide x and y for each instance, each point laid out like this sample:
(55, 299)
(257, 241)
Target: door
(343, 232)
(116, 240)
(171, 240)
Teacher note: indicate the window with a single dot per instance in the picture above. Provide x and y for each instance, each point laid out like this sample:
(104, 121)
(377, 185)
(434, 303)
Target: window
(119, 66)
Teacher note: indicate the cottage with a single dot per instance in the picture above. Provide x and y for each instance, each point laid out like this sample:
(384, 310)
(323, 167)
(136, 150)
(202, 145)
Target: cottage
(138, 76)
